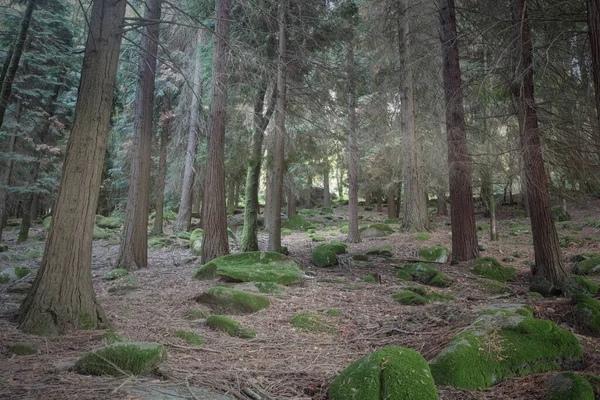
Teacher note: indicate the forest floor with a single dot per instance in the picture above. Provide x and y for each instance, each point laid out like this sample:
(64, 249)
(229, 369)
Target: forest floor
(281, 360)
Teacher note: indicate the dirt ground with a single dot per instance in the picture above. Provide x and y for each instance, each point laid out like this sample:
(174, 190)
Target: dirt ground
(281, 360)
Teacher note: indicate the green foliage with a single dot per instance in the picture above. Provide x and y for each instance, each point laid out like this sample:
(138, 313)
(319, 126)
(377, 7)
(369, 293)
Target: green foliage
(21, 271)
(46, 222)
(108, 222)
(369, 278)
(129, 358)
(191, 337)
(491, 268)
(115, 274)
(112, 337)
(229, 326)
(233, 301)
(325, 255)
(587, 264)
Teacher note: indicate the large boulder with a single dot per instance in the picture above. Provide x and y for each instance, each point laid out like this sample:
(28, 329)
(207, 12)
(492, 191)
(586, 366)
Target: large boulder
(375, 230)
(438, 254)
(127, 358)
(490, 268)
(231, 301)
(505, 342)
(325, 255)
(424, 273)
(390, 373)
(296, 223)
(254, 266)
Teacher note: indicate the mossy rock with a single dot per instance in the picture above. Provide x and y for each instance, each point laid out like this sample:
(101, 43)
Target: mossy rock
(20, 349)
(270, 288)
(160, 242)
(502, 344)
(344, 229)
(196, 241)
(418, 296)
(101, 233)
(534, 295)
(325, 255)
(108, 222)
(424, 273)
(318, 238)
(311, 321)
(253, 266)
(422, 236)
(492, 286)
(196, 313)
(375, 230)
(112, 337)
(589, 265)
(595, 382)
(229, 326)
(587, 312)
(569, 386)
(233, 301)
(117, 359)
(190, 337)
(47, 222)
(437, 254)
(490, 268)
(579, 285)
(390, 221)
(115, 274)
(383, 251)
(390, 373)
(185, 235)
(297, 223)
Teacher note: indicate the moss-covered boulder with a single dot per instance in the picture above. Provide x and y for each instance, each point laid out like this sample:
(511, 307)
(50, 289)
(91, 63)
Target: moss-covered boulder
(184, 235)
(437, 254)
(253, 266)
(587, 264)
(196, 241)
(490, 268)
(424, 273)
(543, 286)
(14, 273)
(46, 222)
(108, 222)
(129, 358)
(311, 321)
(501, 344)
(233, 301)
(229, 326)
(491, 286)
(190, 337)
(569, 386)
(414, 296)
(115, 274)
(20, 349)
(296, 223)
(325, 255)
(579, 285)
(101, 233)
(375, 230)
(390, 373)
(587, 312)
(382, 251)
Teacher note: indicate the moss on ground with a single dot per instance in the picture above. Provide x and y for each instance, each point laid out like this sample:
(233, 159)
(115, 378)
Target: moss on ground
(270, 288)
(108, 222)
(579, 285)
(492, 286)
(190, 337)
(587, 312)
(297, 223)
(20, 349)
(312, 321)
(117, 359)
(390, 221)
(423, 236)
(318, 238)
(587, 264)
(233, 301)
(112, 337)
(344, 229)
(435, 254)
(253, 266)
(534, 295)
(419, 296)
(390, 373)
(490, 268)
(569, 386)
(21, 271)
(4, 278)
(115, 274)
(384, 251)
(325, 255)
(424, 273)
(369, 278)
(375, 230)
(229, 326)
(46, 222)
(185, 235)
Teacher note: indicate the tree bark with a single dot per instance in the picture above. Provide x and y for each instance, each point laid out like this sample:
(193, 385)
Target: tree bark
(593, 14)
(462, 209)
(215, 240)
(133, 252)
(391, 203)
(353, 232)
(62, 296)
(442, 207)
(548, 262)
(157, 229)
(326, 194)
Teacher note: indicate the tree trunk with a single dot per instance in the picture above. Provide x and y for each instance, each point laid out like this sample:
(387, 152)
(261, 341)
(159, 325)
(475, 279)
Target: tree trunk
(5, 182)
(462, 209)
(275, 182)
(415, 214)
(391, 203)
(292, 203)
(548, 263)
(353, 232)
(230, 201)
(594, 35)
(215, 240)
(442, 207)
(157, 229)
(62, 296)
(133, 252)
(379, 202)
(184, 215)
(326, 194)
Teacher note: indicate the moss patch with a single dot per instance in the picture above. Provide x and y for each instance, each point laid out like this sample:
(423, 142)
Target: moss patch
(490, 268)
(390, 373)
(418, 296)
(423, 236)
(229, 326)
(588, 265)
(501, 344)
(569, 386)
(375, 230)
(311, 321)
(424, 273)
(108, 222)
(46, 222)
(233, 301)
(184, 235)
(579, 285)
(534, 295)
(196, 241)
(112, 337)
(118, 359)
(21, 349)
(435, 254)
(196, 313)
(253, 267)
(369, 278)
(297, 223)
(191, 337)
(325, 255)
(492, 286)
(383, 251)
(270, 288)
(587, 312)
(115, 274)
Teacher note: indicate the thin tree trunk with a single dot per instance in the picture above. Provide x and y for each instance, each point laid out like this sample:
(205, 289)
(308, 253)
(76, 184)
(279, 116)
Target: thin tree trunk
(326, 194)
(292, 203)
(379, 202)
(62, 296)
(548, 263)
(5, 182)
(157, 229)
(275, 183)
(230, 197)
(442, 207)
(391, 203)
(462, 209)
(353, 232)
(594, 36)
(133, 252)
(215, 240)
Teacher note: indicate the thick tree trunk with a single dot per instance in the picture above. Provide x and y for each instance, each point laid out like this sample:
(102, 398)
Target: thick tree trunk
(215, 241)
(62, 296)
(184, 215)
(594, 35)
(462, 209)
(133, 252)
(352, 155)
(326, 194)
(415, 213)
(157, 229)
(273, 208)
(548, 262)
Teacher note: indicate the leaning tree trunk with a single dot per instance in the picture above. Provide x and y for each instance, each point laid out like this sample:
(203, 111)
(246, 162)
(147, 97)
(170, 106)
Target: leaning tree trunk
(215, 241)
(133, 252)
(352, 152)
(157, 229)
(548, 263)
(462, 209)
(62, 296)
(594, 35)
(275, 182)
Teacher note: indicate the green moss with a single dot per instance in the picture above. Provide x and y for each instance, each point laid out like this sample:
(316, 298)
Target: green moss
(21, 271)
(579, 285)
(587, 312)
(191, 337)
(424, 273)
(184, 235)
(360, 257)
(297, 223)
(410, 298)
(311, 321)
(21, 349)
(569, 386)
(100, 233)
(30, 254)
(233, 301)
(160, 242)
(389, 221)
(385, 251)
(325, 210)
(491, 268)
(4, 278)
(501, 345)
(108, 222)
(253, 266)
(492, 286)
(424, 236)
(196, 241)
(112, 337)
(376, 229)
(325, 255)
(534, 295)
(390, 373)
(115, 274)
(332, 312)
(595, 382)
(270, 288)
(229, 326)
(131, 358)
(369, 278)
(318, 238)
(47, 222)
(435, 254)
(194, 314)
(286, 232)
(588, 266)
(344, 229)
